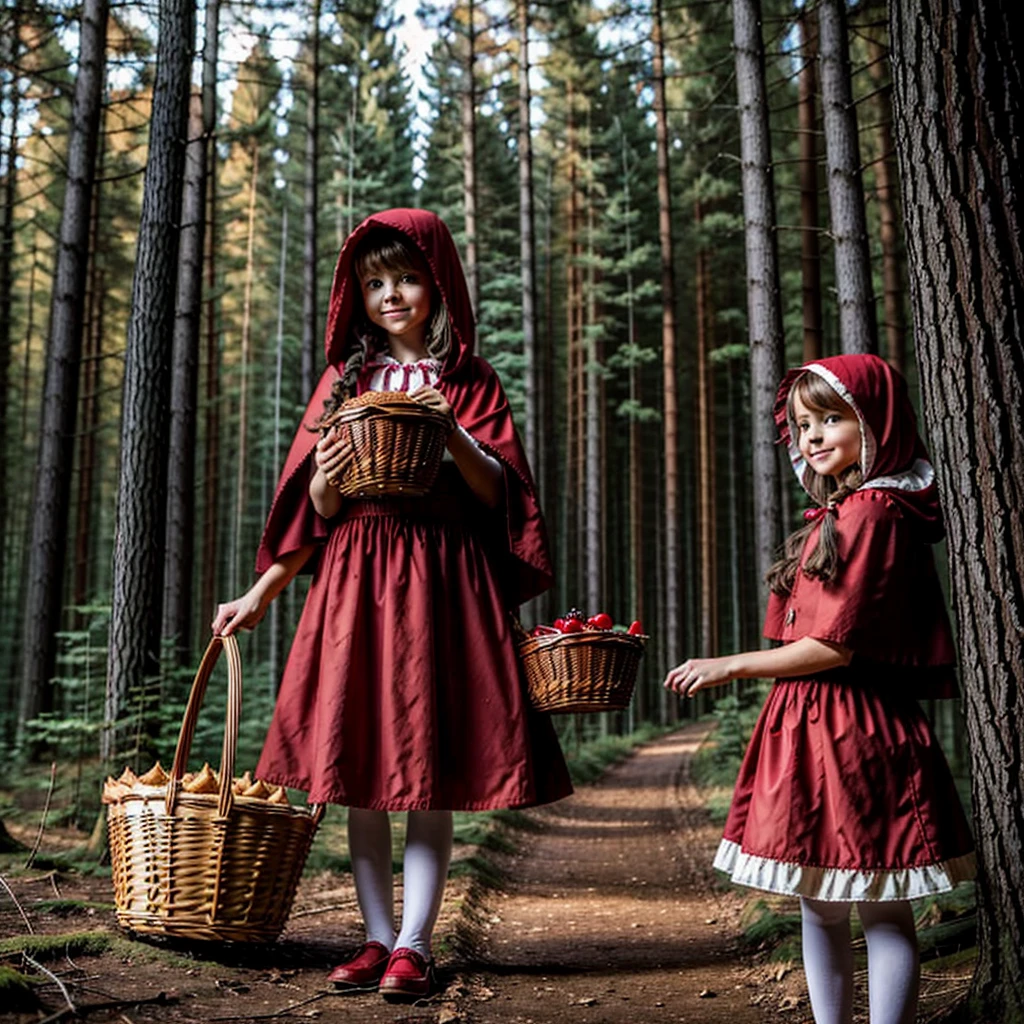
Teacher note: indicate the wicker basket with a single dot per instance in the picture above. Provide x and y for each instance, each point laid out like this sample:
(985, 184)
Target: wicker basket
(575, 672)
(209, 866)
(398, 445)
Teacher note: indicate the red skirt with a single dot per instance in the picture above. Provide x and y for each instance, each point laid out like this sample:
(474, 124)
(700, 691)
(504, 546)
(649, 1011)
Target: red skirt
(402, 690)
(844, 794)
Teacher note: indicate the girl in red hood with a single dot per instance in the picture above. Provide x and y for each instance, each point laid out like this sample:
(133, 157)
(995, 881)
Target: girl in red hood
(402, 689)
(844, 795)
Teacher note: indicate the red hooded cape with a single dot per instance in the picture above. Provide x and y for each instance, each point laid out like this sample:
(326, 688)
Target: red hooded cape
(468, 383)
(886, 605)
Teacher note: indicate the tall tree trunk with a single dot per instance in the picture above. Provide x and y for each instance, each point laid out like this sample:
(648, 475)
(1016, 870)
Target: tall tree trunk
(958, 105)
(469, 157)
(707, 520)
(887, 184)
(10, 190)
(593, 460)
(527, 248)
(636, 497)
(211, 353)
(181, 449)
(858, 330)
(670, 411)
(810, 222)
(135, 619)
(549, 464)
(274, 657)
(245, 357)
(90, 386)
(60, 390)
(310, 203)
(764, 310)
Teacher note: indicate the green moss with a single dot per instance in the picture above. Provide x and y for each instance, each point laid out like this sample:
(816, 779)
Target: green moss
(52, 947)
(17, 991)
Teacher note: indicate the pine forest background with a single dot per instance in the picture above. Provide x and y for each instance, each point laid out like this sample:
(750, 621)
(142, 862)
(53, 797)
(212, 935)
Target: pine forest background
(643, 449)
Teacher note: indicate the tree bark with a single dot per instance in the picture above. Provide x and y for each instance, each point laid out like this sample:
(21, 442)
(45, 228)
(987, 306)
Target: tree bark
(670, 411)
(245, 358)
(181, 449)
(810, 222)
(469, 157)
(60, 390)
(887, 183)
(310, 203)
(211, 354)
(135, 620)
(10, 189)
(706, 505)
(527, 248)
(858, 331)
(764, 310)
(958, 106)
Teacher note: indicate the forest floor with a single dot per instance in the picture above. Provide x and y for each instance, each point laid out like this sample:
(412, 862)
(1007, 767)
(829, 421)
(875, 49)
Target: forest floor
(602, 909)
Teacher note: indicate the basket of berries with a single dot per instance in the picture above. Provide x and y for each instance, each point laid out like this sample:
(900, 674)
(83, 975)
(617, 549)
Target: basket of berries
(396, 445)
(581, 664)
(204, 855)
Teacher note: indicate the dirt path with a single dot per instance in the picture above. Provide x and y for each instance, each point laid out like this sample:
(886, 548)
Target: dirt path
(607, 913)
(613, 914)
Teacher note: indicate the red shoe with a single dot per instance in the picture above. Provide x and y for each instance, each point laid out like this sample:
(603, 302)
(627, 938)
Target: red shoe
(365, 969)
(408, 976)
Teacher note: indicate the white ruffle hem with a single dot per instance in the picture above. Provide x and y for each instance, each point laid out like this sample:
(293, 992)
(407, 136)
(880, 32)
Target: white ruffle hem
(841, 884)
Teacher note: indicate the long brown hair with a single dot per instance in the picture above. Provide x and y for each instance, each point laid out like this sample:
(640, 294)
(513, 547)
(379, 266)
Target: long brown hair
(385, 249)
(823, 562)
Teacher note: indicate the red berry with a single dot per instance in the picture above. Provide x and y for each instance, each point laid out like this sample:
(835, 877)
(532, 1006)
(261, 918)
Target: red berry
(600, 621)
(560, 625)
(537, 631)
(636, 629)
(573, 626)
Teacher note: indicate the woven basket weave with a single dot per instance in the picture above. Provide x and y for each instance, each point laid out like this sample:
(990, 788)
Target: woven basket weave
(578, 672)
(397, 443)
(209, 866)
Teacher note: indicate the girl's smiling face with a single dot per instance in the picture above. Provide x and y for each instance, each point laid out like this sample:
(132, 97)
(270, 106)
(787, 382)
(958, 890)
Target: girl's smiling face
(398, 301)
(829, 439)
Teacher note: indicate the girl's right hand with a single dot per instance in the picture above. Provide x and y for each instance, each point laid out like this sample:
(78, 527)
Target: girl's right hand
(333, 455)
(242, 613)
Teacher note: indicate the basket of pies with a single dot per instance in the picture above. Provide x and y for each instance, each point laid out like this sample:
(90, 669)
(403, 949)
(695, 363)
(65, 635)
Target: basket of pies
(395, 444)
(206, 855)
(581, 664)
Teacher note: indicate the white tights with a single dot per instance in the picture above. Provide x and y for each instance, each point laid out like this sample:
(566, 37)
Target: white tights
(428, 848)
(892, 960)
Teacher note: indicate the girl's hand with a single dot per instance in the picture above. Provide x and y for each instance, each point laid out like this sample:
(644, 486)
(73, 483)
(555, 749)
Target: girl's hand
(426, 395)
(697, 673)
(242, 613)
(332, 455)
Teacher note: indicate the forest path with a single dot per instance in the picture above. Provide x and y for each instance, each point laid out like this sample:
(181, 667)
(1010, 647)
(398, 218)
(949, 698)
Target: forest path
(606, 911)
(611, 913)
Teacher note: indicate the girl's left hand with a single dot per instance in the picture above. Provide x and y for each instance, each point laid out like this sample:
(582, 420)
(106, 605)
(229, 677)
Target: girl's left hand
(697, 673)
(426, 395)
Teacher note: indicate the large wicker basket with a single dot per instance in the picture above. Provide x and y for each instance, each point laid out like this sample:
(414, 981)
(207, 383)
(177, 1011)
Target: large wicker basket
(576, 672)
(208, 866)
(398, 444)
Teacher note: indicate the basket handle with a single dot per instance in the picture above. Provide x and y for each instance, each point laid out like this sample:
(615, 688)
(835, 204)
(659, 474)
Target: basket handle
(188, 724)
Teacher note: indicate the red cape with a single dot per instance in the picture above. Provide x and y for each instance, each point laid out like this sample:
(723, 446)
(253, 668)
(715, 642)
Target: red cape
(467, 381)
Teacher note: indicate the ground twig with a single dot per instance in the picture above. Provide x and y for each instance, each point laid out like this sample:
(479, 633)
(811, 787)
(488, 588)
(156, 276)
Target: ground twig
(70, 1008)
(42, 822)
(24, 916)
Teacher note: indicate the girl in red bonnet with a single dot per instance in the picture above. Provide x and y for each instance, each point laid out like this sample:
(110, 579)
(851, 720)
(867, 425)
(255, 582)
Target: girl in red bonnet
(844, 795)
(402, 689)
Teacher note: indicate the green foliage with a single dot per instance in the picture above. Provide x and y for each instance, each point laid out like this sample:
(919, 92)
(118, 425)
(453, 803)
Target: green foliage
(17, 991)
(768, 926)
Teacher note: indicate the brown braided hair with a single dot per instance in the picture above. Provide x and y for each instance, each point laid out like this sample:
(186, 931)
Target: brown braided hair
(383, 249)
(823, 562)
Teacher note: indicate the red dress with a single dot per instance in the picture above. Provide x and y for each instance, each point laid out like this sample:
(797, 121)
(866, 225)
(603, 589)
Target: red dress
(402, 690)
(844, 793)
